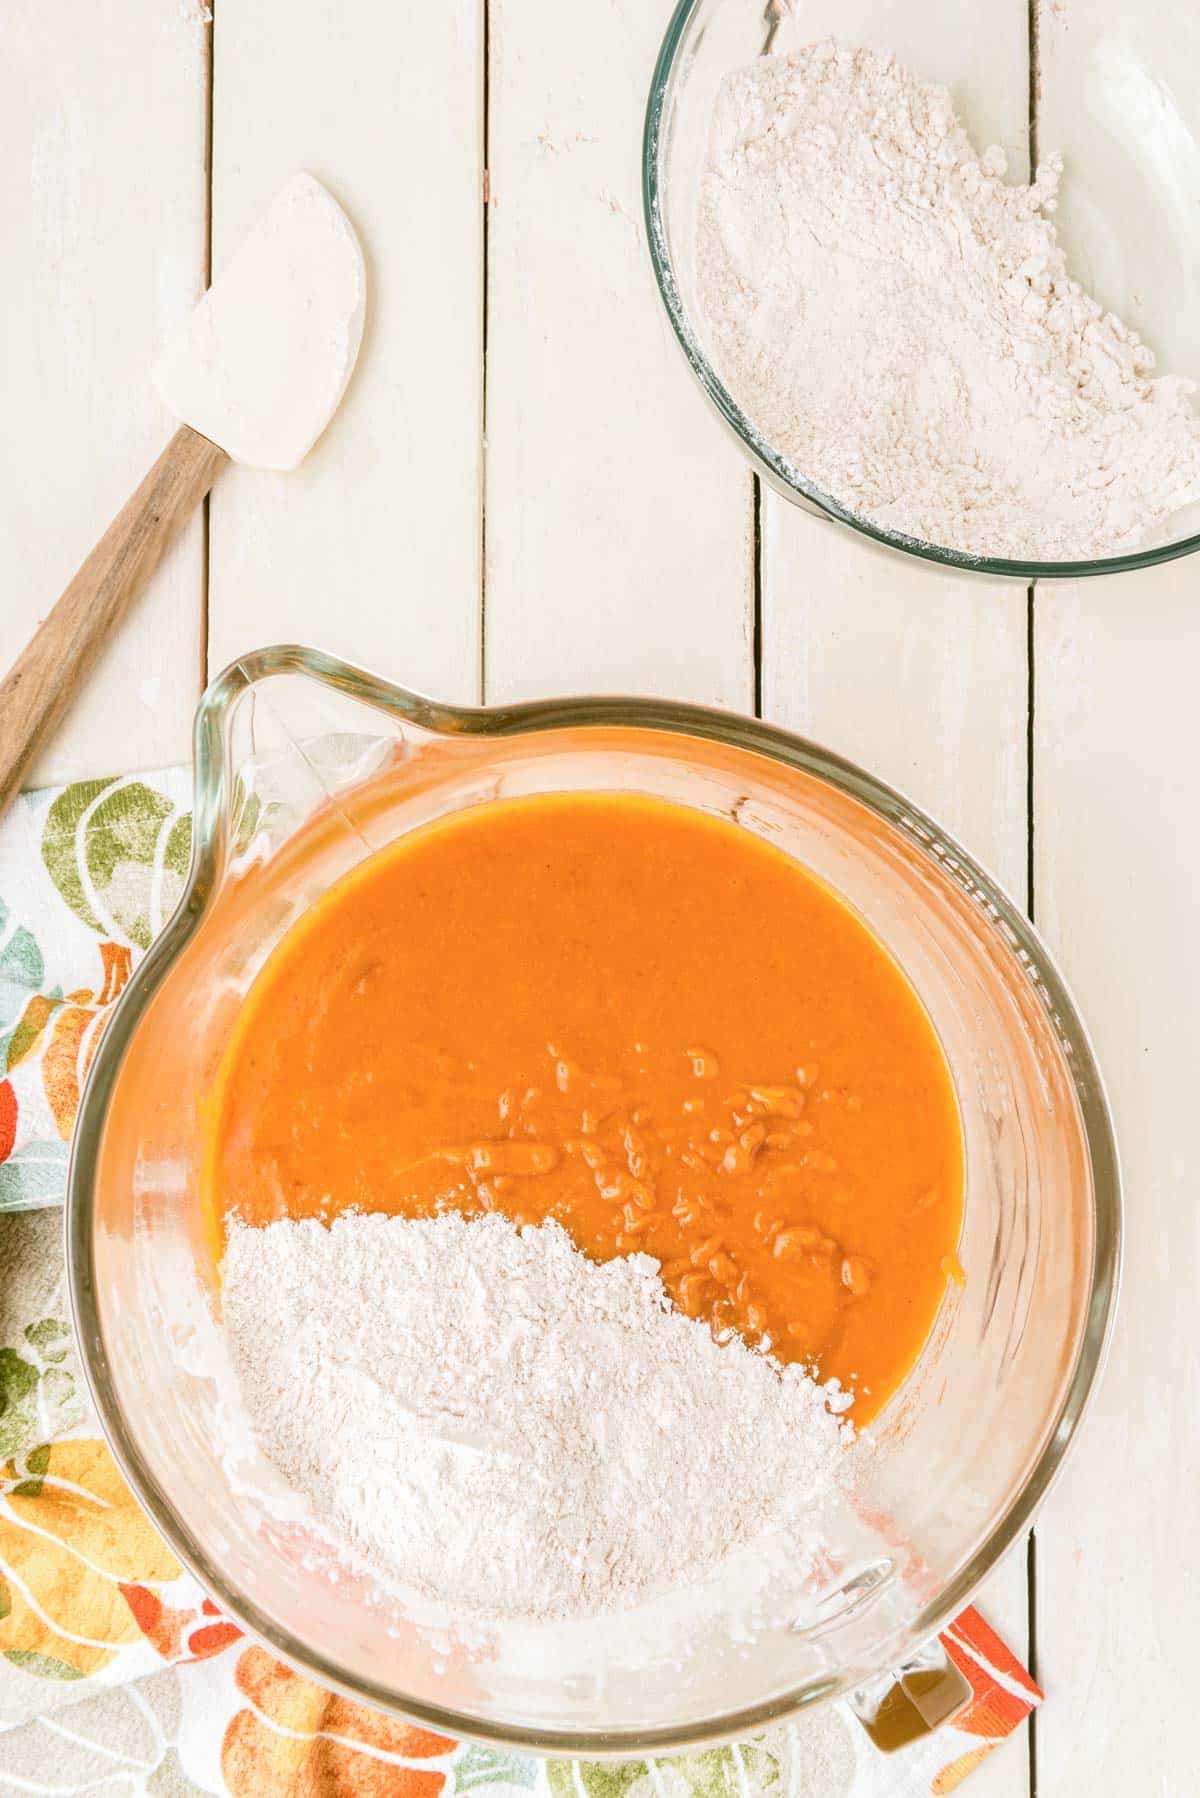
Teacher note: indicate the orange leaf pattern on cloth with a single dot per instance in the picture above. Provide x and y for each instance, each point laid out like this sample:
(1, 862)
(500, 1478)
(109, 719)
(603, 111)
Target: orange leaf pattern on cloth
(80, 1498)
(76, 1033)
(1003, 1693)
(8, 1119)
(1002, 1696)
(258, 1762)
(299, 1741)
(70, 1530)
(951, 1777)
(60, 1066)
(179, 1633)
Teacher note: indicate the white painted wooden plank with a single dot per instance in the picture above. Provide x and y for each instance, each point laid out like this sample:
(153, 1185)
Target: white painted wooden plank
(1118, 771)
(102, 218)
(921, 678)
(372, 547)
(1117, 767)
(618, 520)
(1117, 775)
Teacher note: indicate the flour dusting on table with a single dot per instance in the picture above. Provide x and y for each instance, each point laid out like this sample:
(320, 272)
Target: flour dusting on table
(482, 1413)
(899, 324)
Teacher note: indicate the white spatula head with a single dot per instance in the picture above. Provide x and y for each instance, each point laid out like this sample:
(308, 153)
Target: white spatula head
(264, 359)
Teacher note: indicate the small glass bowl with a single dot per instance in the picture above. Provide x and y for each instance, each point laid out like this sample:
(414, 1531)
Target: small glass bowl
(1129, 194)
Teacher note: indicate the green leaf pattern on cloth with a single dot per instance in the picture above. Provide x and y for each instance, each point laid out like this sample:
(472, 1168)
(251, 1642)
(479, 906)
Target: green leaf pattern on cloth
(36, 1389)
(118, 853)
(19, 1380)
(41, 1388)
(816, 1758)
(22, 971)
(41, 1666)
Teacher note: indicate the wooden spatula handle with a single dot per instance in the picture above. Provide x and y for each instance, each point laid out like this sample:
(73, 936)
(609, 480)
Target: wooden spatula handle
(48, 673)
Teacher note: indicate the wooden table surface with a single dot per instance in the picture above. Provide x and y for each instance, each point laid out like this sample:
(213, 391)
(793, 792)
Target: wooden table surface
(525, 495)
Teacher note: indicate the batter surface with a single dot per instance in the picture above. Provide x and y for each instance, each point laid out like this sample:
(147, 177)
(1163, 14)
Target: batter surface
(634, 1018)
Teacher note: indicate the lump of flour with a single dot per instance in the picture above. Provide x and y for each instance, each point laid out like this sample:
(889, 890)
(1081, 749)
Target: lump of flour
(899, 323)
(482, 1413)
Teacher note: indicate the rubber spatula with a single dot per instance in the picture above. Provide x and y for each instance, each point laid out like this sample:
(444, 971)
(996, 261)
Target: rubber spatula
(256, 375)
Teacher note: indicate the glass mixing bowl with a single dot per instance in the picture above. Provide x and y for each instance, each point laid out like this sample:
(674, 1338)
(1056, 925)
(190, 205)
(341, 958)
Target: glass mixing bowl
(1128, 123)
(304, 766)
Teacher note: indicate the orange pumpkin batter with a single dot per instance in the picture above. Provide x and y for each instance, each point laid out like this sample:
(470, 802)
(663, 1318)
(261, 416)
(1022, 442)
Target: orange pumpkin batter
(635, 1018)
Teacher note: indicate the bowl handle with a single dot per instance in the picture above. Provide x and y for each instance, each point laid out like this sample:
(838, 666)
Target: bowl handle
(899, 1708)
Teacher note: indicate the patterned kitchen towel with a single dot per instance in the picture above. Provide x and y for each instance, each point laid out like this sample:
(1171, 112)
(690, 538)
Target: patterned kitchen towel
(117, 1673)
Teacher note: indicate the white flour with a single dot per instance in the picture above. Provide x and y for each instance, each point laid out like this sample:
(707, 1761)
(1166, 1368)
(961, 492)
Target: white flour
(899, 324)
(484, 1414)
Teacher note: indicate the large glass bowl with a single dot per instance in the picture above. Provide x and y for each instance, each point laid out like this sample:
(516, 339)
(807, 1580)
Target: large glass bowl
(1128, 122)
(304, 766)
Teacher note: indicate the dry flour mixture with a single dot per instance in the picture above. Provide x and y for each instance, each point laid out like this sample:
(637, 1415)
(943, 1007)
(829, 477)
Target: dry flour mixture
(478, 1411)
(900, 325)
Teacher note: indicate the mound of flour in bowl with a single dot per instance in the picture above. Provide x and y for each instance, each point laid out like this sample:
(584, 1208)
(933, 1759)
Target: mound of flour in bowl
(899, 324)
(480, 1412)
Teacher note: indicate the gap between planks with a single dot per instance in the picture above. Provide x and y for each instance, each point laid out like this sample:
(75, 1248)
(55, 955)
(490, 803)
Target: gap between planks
(756, 593)
(1035, 86)
(210, 65)
(757, 578)
(485, 227)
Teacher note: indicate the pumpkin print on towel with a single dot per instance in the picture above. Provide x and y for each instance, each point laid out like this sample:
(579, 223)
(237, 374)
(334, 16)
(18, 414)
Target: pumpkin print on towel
(295, 1740)
(70, 1533)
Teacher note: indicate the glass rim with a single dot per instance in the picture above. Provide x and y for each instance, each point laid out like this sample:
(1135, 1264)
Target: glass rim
(774, 468)
(212, 792)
